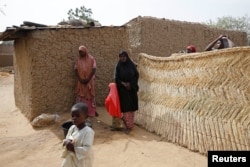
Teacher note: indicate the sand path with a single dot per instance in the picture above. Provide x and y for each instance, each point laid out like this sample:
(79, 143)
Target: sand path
(21, 145)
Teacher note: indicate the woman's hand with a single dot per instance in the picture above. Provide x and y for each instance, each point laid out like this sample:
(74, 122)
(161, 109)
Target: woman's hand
(126, 85)
(84, 81)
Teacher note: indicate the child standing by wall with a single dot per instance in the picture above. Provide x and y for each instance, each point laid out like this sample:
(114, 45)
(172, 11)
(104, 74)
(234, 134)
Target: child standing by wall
(79, 140)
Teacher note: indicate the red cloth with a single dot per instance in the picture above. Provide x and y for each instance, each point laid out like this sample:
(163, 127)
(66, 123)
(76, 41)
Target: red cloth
(112, 102)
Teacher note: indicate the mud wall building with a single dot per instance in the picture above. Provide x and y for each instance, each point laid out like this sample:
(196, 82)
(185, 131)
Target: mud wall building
(44, 57)
(44, 75)
(163, 37)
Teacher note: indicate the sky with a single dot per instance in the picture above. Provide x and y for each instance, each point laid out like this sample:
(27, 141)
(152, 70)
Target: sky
(119, 12)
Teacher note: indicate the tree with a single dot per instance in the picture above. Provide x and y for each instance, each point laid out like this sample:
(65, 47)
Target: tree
(232, 23)
(80, 13)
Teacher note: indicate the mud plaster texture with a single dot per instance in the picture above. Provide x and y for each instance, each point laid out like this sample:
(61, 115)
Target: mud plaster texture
(43, 62)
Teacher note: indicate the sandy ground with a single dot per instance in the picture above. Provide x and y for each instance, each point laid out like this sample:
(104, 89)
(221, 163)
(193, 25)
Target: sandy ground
(21, 145)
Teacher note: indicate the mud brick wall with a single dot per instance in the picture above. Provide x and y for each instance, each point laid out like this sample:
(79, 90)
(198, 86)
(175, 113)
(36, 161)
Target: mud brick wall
(44, 59)
(163, 37)
(45, 80)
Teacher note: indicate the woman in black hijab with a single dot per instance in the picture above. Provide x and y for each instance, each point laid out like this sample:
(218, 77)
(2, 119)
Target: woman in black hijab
(126, 78)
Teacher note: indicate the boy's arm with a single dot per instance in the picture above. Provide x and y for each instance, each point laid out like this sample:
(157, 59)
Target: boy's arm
(87, 142)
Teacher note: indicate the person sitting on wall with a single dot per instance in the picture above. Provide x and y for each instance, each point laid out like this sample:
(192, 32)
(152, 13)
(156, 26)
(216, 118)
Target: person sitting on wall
(191, 49)
(220, 42)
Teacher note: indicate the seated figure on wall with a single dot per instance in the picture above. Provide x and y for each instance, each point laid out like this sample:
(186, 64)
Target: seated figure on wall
(220, 42)
(190, 49)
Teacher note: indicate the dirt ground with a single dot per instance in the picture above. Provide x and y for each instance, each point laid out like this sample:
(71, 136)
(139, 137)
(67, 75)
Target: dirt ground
(21, 145)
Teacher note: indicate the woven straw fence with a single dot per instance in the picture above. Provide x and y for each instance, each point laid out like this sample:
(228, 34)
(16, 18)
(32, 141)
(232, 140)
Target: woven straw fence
(200, 101)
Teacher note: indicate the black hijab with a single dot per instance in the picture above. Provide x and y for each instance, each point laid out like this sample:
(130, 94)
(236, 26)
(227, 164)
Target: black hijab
(126, 71)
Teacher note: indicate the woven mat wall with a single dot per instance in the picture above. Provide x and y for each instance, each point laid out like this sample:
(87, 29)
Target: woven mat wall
(200, 101)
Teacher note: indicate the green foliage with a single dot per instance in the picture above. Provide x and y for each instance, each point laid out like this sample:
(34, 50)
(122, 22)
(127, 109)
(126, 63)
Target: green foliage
(80, 13)
(232, 23)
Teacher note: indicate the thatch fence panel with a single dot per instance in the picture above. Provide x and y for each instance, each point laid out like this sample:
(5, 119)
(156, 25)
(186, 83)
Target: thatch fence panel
(200, 101)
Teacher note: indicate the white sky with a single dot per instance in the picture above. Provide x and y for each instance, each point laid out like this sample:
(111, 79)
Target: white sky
(118, 12)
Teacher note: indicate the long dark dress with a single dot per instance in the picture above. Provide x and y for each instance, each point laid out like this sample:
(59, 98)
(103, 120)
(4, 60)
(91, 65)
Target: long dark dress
(127, 72)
